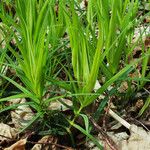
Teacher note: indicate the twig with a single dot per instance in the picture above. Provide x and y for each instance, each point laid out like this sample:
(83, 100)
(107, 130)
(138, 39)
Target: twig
(107, 109)
(119, 119)
(143, 125)
(108, 140)
(111, 113)
(147, 123)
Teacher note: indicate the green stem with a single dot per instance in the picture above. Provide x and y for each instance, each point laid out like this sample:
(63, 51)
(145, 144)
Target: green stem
(76, 115)
(71, 124)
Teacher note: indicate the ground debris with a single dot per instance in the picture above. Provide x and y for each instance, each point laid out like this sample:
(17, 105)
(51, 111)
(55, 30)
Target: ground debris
(19, 145)
(139, 140)
(22, 114)
(45, 139)
(7, 133)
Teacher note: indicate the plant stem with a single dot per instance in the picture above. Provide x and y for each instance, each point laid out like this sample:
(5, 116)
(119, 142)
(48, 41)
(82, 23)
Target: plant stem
(71, 124)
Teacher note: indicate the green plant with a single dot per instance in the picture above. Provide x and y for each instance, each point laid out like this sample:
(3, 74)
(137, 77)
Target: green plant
(4, 39)
(146, 105)
(2, 51)
(118, 21)
(47, 33)
(87, 57)
(2, 59)
(33, 27)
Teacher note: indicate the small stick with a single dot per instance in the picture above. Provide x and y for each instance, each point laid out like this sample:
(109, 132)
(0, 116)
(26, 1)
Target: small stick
(111, 113)
(108, 140)
(142, 125)
(119, 119)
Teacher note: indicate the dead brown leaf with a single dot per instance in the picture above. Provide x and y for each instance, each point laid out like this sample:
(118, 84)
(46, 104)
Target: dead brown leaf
(147, 19)
(7, 132)
(147, 42)
(19, 145)
(45, 139)
(123, 87)
(22, 114)
(139, 140)
(139, 104)
(56, 105)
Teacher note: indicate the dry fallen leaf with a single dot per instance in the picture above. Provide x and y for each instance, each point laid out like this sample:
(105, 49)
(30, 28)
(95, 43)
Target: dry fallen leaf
(139, 104)
(19, 145)
(7, 131)
(44, 140)
(147, 42)
(56, 105)
(22, 114)
(142, 29)
(123, 87)
(139, 140)
(147, 19)
(118, 137)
